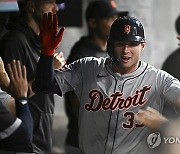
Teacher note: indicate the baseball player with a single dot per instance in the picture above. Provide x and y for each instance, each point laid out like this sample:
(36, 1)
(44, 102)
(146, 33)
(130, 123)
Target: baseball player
(111, 90)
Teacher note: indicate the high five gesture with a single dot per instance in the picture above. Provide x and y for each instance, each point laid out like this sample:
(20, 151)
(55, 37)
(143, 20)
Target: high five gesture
(49, 35)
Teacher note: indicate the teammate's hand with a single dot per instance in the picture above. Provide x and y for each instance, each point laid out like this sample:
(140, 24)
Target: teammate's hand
(18, 86)
(4, 79)
(150, 118)
(59, 60)
(49, 35)
(178, 37)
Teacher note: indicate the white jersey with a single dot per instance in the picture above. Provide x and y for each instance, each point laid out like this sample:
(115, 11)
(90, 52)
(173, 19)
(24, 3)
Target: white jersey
(109, 101)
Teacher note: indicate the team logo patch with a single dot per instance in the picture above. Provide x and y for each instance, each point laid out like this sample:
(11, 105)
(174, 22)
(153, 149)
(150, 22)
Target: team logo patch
(127, 29)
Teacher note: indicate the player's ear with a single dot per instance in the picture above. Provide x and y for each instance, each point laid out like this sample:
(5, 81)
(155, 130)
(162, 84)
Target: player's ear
(143, 45)
(91, 23)
(31, 6)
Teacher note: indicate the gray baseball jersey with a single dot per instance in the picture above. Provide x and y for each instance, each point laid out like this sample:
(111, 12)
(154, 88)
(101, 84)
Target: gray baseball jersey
(4, 97)
(109, 101)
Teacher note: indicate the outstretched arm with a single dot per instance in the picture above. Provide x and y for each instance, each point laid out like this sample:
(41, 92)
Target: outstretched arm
(50, 39)
(4, 83)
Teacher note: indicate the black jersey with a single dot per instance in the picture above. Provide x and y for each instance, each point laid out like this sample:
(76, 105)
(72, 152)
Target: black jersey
(21, 43)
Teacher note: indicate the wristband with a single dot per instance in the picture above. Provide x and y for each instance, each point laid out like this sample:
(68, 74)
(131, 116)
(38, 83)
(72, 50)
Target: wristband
(22, 100)
(48, 52)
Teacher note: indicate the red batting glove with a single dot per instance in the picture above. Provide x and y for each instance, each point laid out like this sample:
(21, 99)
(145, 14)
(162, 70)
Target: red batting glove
(49, 35)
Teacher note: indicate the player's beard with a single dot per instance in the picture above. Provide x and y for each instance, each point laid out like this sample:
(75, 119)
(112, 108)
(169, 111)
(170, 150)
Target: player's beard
(37, 16)
(102, 33)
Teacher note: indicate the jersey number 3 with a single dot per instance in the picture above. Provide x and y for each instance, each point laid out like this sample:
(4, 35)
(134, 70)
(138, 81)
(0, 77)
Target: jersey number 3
(130, 121)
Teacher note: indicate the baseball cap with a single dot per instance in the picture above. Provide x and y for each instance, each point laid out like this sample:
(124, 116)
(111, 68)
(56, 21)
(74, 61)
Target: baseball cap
(101, 9)
(127, 29)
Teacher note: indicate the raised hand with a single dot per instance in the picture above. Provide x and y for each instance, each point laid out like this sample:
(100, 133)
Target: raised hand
(49, 35)
(18, 86)
(4, 79)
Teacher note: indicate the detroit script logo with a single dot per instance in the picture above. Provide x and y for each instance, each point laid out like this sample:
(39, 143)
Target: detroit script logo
(117, 101)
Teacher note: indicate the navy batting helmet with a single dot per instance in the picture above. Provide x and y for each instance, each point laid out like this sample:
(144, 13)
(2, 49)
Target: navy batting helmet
(125, 29)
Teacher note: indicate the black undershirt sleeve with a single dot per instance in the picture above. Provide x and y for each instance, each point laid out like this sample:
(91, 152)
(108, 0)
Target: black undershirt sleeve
(21, 138)
(23, 113)
(45, 81)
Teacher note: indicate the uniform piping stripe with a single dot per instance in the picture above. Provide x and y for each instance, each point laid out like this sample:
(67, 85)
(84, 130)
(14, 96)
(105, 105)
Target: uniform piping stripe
(115, 131)
(118, 110)
(111, 111)
(107, 133)
(10, 130)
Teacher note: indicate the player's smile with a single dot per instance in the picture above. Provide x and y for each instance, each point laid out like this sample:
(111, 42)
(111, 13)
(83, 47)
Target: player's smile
(125, 59)
(128, 54)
